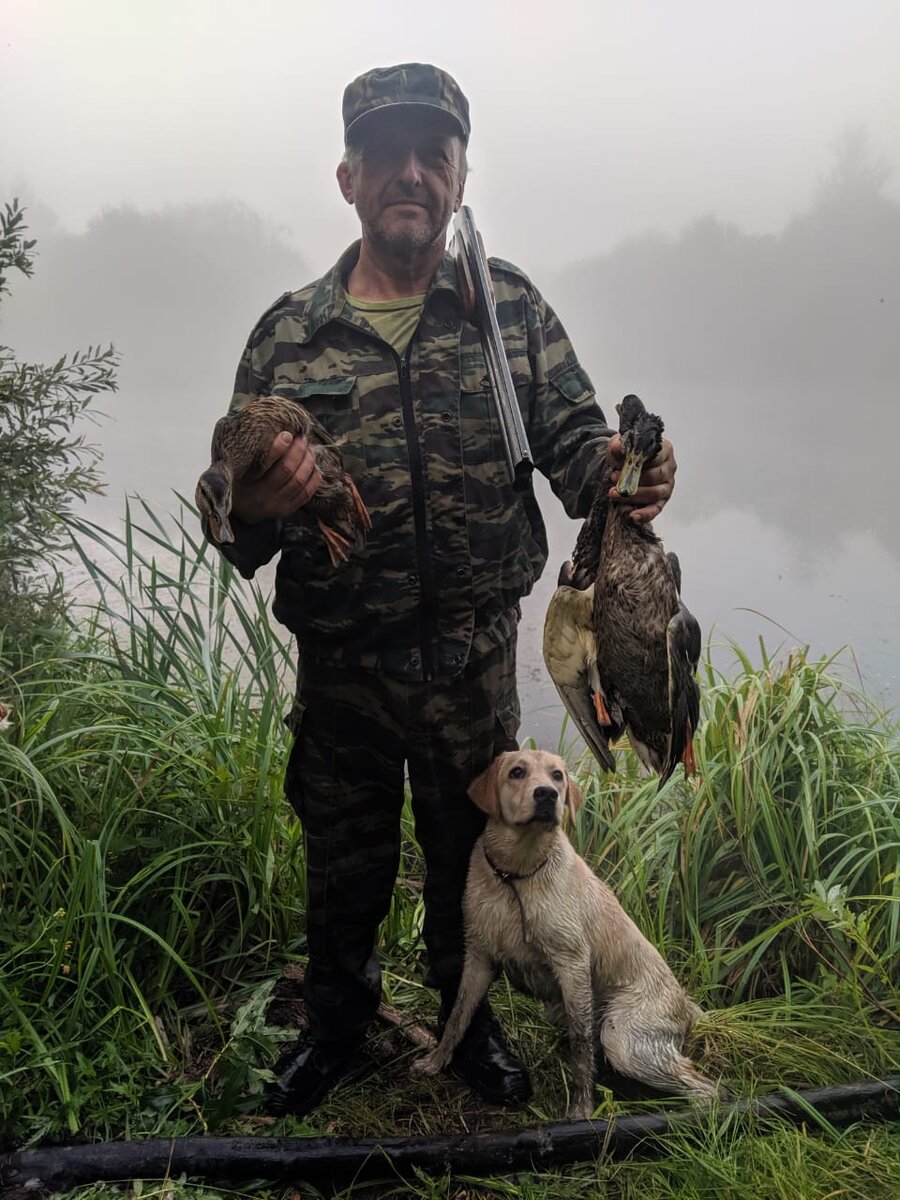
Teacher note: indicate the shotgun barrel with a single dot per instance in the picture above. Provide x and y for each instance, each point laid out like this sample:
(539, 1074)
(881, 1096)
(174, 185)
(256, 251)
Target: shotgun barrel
(478, 291)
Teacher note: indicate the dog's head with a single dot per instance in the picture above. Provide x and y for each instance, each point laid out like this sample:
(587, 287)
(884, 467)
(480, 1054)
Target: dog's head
(523, 787)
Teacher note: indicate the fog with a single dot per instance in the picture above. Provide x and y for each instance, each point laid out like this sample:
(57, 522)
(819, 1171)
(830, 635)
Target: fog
(708, 199)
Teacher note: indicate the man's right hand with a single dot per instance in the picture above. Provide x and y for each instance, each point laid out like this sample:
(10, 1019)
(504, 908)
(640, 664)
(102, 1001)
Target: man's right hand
(289, 478)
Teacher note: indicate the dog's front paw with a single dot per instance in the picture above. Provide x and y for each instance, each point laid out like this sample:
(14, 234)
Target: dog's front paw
(429, 1064)
(583, 1110)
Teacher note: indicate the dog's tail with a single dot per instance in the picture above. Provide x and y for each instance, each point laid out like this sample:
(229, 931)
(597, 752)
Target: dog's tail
(653, 1055)
(694, 1011)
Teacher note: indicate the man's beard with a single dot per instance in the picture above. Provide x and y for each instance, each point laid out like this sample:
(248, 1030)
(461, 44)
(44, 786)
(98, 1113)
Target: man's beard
(408, 240)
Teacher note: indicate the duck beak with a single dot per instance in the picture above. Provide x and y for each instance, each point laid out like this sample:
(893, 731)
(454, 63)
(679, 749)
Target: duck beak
(220, 526)
(630, 475)
(566, 574)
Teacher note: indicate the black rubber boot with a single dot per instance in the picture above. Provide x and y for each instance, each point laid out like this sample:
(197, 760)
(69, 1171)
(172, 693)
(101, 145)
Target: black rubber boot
(483, 1060)
(307, 1074)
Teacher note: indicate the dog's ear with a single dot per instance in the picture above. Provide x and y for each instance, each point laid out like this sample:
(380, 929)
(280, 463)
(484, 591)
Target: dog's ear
(483, 790)
(574, 797)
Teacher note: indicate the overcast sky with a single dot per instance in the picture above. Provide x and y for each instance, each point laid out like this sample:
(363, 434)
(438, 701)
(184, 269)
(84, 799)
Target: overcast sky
(591, 120)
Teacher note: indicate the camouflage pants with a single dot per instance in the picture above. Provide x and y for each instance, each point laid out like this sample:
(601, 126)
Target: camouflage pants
(354, 731)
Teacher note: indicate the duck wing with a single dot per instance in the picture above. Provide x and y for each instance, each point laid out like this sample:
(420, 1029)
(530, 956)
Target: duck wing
(683, 643)
(570, 655)
(337, 505)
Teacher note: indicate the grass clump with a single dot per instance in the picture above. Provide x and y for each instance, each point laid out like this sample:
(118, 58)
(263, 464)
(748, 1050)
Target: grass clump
(149, 867)
(152, 889)
(778, 866)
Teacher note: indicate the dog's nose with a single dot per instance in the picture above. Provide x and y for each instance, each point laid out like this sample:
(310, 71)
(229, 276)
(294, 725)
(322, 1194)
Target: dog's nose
(545, 801)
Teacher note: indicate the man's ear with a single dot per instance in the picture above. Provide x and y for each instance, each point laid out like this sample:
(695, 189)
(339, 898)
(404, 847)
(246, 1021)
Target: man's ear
(574, 797)
(484, 790)
(457, 203)
(345, 181)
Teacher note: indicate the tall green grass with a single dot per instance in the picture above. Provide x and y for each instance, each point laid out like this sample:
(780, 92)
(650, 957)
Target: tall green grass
(148, 866)
(780, 862)
(152, 876)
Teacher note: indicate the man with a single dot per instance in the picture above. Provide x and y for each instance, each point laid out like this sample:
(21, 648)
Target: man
(407, 651)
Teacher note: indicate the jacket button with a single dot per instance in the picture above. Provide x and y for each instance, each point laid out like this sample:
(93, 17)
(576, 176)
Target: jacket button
(446, 415)
(412, 578)
(397, 421)
(461, 572)
(414, 662)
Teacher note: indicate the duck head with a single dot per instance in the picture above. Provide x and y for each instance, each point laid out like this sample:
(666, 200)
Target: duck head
(641, 433)
(213, 498)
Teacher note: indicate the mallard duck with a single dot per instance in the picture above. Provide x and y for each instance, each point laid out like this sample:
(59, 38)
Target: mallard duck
(619, 643)
(240, 443)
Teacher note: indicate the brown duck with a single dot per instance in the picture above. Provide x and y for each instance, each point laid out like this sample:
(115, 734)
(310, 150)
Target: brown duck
(619, 643)
(240, 443)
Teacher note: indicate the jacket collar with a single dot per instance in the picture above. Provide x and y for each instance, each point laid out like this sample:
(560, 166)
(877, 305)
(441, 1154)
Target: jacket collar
(329, 299)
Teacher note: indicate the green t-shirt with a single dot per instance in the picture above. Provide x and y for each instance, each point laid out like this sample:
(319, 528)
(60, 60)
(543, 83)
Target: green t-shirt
(395, 320)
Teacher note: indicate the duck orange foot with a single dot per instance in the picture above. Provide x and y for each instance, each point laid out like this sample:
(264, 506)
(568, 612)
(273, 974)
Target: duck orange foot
(690, 763)
(338, 546)
(603, 716)
(359, 503)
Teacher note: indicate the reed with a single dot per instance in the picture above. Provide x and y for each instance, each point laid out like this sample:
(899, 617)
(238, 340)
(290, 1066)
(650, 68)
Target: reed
(779, 862)
(152, 886)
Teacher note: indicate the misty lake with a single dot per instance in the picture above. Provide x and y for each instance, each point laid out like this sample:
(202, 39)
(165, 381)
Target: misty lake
(744, 580)
(773, 360)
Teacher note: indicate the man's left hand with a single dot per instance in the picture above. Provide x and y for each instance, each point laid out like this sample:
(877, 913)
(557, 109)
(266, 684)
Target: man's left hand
(656, 485)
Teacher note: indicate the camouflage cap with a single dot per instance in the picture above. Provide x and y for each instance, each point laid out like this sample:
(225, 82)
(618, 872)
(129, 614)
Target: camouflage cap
(408, 83)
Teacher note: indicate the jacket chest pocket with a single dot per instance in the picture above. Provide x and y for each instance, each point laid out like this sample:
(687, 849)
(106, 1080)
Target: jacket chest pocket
(478, 423)
(480, 426)
(335, 405)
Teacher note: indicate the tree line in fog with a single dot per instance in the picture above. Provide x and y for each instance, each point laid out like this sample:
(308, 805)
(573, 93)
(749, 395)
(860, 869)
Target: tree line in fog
(773, 358)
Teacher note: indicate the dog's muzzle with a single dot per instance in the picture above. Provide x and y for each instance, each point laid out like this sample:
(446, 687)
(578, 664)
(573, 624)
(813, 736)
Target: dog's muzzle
(545, 799)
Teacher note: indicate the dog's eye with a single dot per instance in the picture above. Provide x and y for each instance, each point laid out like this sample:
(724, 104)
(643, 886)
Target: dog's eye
(558, 775)
(517, 773)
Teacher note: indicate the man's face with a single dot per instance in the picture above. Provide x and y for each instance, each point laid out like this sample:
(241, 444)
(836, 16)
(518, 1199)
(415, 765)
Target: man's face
(407, 183)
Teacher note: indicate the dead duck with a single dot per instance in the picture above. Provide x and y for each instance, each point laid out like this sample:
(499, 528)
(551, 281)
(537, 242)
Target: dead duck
(570, 654)
(619, 643)
(240, 443)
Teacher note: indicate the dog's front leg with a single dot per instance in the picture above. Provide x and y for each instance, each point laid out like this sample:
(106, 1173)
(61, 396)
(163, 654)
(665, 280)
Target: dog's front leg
(575, 982)
(477, 977)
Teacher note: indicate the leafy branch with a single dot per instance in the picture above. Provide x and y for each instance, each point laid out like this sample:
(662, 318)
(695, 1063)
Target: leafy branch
(46, 463)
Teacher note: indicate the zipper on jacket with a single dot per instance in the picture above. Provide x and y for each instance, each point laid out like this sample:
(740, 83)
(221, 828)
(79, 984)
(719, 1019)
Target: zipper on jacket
(417, 478)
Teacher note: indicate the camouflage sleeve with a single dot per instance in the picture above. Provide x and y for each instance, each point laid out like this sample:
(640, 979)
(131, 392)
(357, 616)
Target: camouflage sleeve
(567, 430)
(254, 545)
(256, 368)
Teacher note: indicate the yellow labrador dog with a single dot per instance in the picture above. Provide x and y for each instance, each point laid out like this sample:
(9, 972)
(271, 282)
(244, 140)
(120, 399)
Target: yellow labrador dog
(535, 909)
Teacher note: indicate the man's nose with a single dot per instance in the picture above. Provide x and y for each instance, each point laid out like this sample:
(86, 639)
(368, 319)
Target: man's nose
(411, 169)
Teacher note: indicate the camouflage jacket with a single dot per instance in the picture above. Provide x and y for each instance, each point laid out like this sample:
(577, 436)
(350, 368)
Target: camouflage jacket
(452, 547)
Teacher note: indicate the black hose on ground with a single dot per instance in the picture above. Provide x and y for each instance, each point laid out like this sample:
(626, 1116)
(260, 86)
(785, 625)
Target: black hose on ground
(333, 1160)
